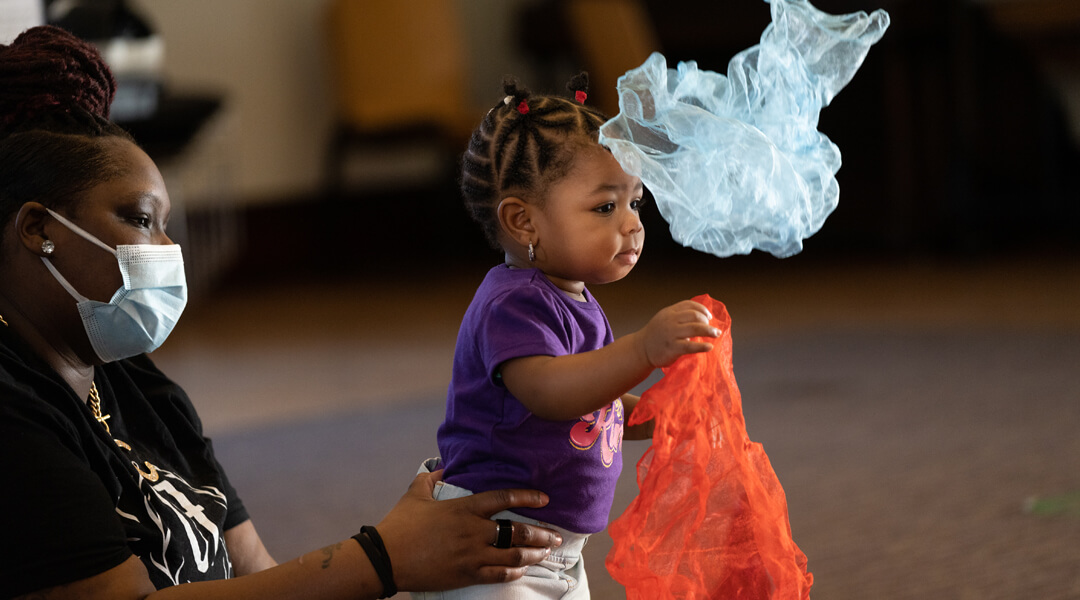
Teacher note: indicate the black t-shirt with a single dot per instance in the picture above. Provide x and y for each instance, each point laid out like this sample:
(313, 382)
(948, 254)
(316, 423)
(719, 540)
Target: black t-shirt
(74, 502)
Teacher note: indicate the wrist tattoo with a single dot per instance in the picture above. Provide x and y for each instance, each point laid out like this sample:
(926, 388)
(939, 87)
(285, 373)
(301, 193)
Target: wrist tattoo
(328, 553)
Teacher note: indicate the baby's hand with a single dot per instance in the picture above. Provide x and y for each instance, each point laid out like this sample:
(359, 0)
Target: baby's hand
(667, 335)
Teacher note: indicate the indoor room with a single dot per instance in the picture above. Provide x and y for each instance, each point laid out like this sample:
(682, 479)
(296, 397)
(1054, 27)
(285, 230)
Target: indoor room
(911, 370)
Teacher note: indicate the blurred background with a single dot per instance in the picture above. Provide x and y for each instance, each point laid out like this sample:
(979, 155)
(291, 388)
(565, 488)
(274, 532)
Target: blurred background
(913, 373)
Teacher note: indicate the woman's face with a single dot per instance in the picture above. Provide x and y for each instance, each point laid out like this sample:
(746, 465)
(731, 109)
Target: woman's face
(589, 229)
(132, 208)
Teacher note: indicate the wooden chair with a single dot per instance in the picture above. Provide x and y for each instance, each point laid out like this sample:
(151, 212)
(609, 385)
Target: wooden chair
(612, 37)
(400, 74)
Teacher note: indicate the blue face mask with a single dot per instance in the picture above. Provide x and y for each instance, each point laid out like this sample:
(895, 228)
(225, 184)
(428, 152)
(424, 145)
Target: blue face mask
(142, 313)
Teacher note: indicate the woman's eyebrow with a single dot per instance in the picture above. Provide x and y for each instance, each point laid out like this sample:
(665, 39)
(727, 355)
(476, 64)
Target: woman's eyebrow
(143, 195)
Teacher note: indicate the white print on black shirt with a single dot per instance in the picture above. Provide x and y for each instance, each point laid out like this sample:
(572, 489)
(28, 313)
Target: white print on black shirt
(176, 508)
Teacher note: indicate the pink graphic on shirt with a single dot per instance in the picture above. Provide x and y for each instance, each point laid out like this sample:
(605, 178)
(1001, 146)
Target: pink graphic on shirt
(604, 425)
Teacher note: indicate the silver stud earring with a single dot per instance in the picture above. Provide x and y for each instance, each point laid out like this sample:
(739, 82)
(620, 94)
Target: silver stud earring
(532, 254)
(47, 247)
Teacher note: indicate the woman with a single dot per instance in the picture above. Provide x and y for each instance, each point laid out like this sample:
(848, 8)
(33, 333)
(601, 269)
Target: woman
(112, 491)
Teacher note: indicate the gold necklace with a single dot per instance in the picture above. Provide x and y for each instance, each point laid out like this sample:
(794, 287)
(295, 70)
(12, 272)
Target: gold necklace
(95, 407)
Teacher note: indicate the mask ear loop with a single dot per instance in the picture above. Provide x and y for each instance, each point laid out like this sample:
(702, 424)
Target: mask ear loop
(80, 231)
(64, 282)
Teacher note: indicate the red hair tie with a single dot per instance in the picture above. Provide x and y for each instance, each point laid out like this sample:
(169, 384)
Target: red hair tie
(523, 107)
(580, 96)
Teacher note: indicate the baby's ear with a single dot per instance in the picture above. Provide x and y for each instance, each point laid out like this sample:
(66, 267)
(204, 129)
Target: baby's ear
(515, 219)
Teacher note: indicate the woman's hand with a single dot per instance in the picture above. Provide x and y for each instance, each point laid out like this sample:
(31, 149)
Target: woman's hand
(444, 544)
(668, 334)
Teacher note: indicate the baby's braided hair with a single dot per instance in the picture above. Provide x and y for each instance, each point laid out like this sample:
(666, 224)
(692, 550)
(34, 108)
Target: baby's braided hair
(523, 145)
(55, 92)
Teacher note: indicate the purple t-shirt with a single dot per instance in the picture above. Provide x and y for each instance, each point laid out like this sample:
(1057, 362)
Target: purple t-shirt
(490, 441)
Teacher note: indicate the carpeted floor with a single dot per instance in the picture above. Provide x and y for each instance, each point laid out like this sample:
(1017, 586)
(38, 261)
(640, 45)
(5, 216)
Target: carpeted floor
(924, 418)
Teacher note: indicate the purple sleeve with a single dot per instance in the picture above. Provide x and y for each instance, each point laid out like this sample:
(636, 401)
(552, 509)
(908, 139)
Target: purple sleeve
(524, 321)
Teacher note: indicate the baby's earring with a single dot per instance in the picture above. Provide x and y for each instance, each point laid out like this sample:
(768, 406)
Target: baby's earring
(532, 254)
(47, 247)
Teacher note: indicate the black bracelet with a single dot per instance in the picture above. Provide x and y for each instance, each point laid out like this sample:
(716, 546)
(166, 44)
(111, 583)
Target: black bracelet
(373, 546)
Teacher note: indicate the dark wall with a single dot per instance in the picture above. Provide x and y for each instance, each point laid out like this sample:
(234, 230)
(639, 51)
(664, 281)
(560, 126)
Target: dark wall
(953, 141)
(952, 138)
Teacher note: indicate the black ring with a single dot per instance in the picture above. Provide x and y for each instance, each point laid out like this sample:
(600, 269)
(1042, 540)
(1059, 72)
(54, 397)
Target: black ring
(504, 533)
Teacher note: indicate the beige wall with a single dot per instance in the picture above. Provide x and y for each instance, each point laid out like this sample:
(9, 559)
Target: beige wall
(267, 57)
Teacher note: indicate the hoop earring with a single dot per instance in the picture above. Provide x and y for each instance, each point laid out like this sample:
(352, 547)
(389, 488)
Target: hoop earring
(47, 247)
(532, 254)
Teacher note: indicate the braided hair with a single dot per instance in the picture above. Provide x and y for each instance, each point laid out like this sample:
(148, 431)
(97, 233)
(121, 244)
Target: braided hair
(523, 145)
(55, 92)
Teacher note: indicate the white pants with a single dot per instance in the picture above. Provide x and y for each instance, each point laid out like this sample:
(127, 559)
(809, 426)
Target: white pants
(561, 575)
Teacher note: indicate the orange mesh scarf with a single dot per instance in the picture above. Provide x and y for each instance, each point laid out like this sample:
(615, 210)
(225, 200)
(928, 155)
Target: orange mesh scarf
(711, 519)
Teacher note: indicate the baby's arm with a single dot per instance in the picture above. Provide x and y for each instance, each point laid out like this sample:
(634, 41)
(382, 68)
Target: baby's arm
(566, 387)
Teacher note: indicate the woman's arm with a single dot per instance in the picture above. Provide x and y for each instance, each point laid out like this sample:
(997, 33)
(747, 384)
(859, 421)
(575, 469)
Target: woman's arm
(433, 545)
(566, 387)
(246, 550)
